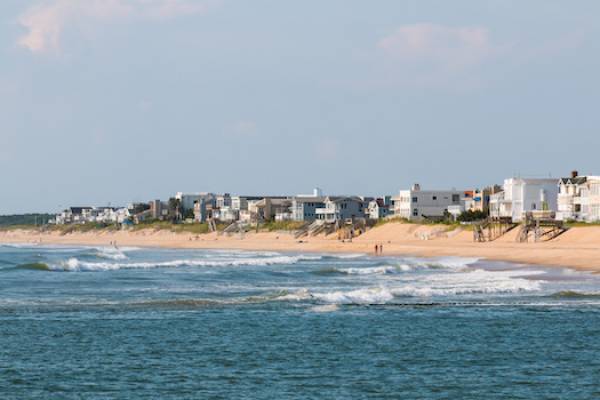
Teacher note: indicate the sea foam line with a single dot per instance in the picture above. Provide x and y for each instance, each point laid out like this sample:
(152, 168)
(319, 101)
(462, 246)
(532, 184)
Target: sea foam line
(74, 264)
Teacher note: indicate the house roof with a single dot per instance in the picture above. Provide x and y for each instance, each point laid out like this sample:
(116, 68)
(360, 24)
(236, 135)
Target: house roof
(309, 199)
(574, 181)
(337, 199)
(78, 210)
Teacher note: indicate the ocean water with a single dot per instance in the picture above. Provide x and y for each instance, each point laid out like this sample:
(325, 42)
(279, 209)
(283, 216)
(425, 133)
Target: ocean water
(130, 323)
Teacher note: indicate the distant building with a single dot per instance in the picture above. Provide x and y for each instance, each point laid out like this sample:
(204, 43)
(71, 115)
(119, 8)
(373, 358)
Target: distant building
(72, 215)
(340, 208)
(158, 210)
(204, 207)
(579, 198)
(223, 200)
(82, 215)
(269, 207)
(225, 214)
(305, 208)
(523, 195)
(416, 204)
(378, 209)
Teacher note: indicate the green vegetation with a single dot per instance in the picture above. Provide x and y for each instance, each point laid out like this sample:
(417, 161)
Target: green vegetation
(195, 228)
(24, 219)
(82, 228)
(392, 220)
(188, 214)
(573, 224)
(272, 226)
(471, 216)
(140, 207)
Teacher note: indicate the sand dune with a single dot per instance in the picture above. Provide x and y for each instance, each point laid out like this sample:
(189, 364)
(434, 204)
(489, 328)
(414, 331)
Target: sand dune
(578, 248)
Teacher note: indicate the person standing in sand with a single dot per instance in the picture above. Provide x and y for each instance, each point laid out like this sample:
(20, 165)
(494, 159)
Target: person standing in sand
(376, 249)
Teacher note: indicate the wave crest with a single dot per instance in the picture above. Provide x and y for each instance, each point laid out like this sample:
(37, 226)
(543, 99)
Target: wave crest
(75, 265)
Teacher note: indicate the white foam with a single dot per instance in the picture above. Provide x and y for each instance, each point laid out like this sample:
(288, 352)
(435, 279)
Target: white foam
(302, 294)
(325, 309)
(347, 256)
(110, 253)
(74, 264)
(359, 296)
(472, 282)
(454, 263)
(369, 270)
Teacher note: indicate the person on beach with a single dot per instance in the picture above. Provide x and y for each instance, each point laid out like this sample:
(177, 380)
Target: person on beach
(376, 249)
(381, 249)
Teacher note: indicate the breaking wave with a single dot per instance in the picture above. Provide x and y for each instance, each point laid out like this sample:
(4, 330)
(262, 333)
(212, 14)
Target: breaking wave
(359, 296)
(74, 264)
(405, 265)
(110, 253)
(368, 270)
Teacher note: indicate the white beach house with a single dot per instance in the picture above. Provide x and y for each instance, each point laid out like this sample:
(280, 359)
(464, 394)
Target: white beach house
(523, 195)
(579, 198)
(416, 204)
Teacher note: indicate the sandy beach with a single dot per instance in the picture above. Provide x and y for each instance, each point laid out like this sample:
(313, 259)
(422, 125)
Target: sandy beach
(578, 248)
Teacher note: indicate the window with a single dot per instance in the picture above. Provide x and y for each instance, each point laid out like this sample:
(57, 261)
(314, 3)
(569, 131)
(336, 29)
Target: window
(455, 198)
(434, 197)
(415, 199)
(416, 212)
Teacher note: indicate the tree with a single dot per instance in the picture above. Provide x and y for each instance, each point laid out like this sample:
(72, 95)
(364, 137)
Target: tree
(140, 207)
(470, 216)
(189, 213)
(175, 208)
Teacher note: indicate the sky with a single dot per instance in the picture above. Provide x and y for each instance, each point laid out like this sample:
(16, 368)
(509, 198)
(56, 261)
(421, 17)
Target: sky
(114, 101)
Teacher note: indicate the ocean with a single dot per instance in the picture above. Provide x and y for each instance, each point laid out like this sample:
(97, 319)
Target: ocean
(132, 323)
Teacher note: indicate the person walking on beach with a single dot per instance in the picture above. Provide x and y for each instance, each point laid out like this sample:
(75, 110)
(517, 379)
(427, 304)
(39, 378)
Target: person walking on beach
(381, 249)
(376, 249)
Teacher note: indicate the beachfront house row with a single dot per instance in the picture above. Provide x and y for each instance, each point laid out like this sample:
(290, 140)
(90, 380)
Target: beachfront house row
(579, 198)
(416, 204)
(340, 208)
(524, 195)
(82, 215)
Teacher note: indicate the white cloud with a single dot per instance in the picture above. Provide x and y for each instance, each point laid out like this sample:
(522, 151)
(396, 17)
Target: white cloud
(46, 20)
(446, 46)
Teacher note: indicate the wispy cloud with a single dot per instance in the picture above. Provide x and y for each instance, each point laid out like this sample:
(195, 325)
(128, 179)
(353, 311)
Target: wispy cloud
(45, 21)
(447, 46)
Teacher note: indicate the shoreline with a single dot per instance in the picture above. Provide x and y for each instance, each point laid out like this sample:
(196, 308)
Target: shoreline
(578, 248)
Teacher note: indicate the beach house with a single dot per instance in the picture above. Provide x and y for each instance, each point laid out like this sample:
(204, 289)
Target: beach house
(188, 201)
(304, 208)
(340, 208)
(416, 204)
(522, 195)
(269, 207)
(579, 198)
(378, 208)
(72, 215)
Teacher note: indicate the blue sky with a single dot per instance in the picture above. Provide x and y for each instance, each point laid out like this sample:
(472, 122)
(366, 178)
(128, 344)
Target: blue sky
(128, 100)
